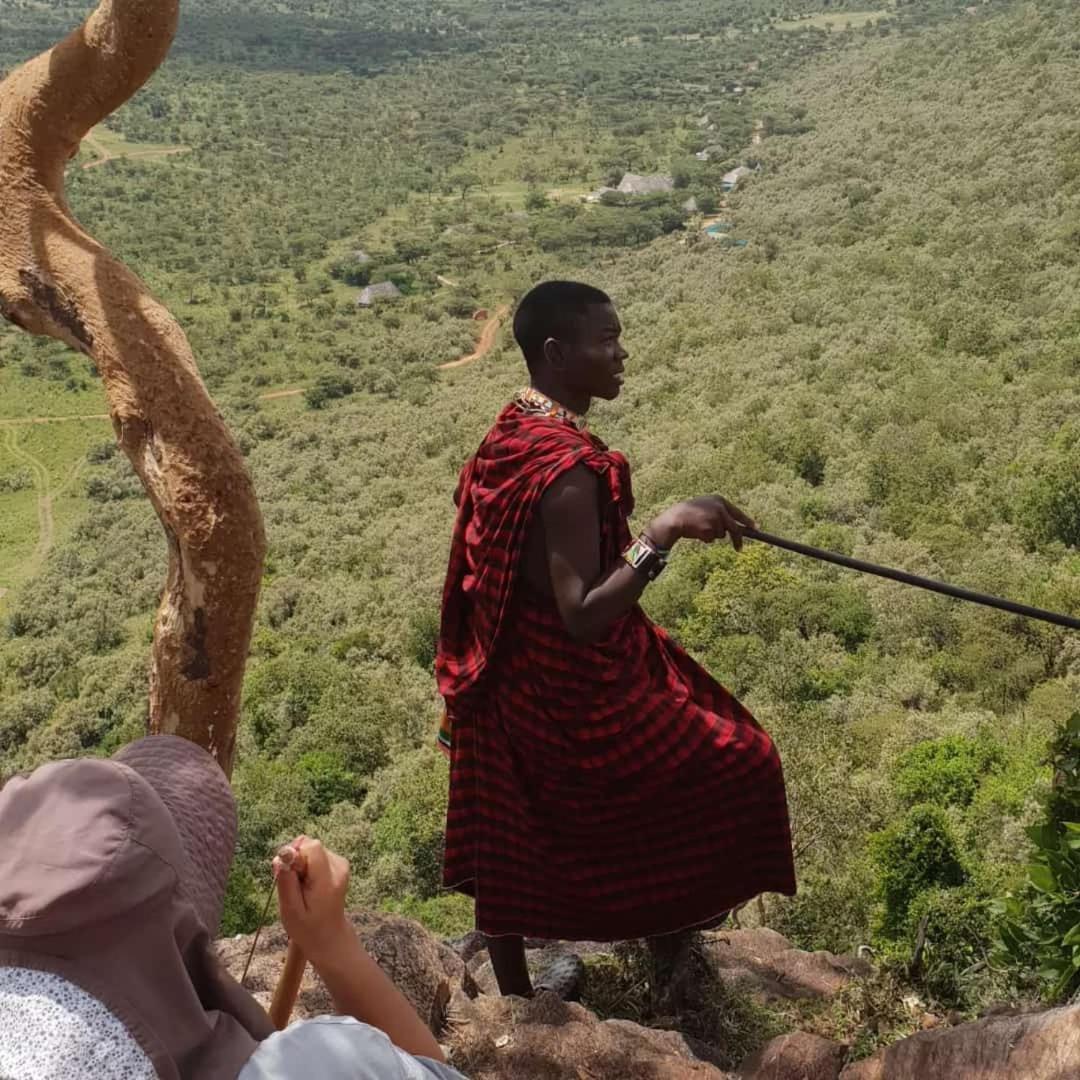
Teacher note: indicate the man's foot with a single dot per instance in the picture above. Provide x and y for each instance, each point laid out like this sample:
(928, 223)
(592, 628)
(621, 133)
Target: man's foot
(564, 977)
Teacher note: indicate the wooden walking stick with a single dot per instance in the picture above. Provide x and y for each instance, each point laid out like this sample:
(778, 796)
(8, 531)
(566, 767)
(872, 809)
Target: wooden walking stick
(905, 578)
(288, 986)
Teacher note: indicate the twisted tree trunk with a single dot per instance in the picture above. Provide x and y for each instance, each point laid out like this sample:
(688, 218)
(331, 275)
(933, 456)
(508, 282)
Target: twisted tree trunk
(56, 280)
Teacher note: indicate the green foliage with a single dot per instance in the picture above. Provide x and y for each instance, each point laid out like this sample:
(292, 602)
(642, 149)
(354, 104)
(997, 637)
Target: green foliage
(328, 778)
(955, 925)
(1051, 506)
(408, 803)
(242, 909)
(880, 370)
(917, 853)
(449, 915)
(945, 772)
(830, 911)
(1041, 927)
(328, 387)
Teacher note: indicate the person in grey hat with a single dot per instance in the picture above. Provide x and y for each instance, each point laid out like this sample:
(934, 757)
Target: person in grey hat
(112, 880)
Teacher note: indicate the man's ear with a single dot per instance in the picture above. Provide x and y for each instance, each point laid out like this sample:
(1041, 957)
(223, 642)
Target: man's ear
(553, 354)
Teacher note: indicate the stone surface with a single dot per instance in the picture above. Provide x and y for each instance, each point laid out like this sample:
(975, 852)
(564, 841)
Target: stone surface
(425, 970)
(797, 1056)
(1036, 1046)
(494, 1038)
(548, 1039)
(765, 962)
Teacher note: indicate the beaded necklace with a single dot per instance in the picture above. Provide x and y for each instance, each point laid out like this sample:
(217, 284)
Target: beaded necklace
(530, 400)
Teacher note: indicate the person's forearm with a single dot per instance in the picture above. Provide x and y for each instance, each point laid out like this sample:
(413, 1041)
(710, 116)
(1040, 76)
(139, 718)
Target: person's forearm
(362, 990)
(606, 602)
(620, 588)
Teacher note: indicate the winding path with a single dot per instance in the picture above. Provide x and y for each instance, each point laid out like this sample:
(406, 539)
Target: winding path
(46, 526)
(486, 343)
(105, 155)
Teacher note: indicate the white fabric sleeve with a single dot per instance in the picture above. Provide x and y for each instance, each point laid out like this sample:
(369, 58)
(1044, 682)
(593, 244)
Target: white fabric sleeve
(338, 1048)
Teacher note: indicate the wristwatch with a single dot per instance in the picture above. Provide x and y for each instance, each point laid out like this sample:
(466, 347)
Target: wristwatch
(646, 558)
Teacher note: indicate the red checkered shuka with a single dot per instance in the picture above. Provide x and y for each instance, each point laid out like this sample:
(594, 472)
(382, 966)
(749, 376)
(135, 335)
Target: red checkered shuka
(600, 790)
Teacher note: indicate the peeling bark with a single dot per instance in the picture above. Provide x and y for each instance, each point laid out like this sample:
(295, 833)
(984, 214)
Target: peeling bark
(57, 280)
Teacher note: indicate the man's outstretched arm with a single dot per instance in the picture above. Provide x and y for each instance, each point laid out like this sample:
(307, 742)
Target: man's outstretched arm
(590, 596)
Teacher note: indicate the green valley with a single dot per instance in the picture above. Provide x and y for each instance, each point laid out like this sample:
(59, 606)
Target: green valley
(876, 349)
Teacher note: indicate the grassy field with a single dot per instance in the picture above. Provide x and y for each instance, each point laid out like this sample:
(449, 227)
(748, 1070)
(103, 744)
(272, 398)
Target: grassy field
(18, 521)
(838, 20)
(53, 455)
(101, 143)
(23, 397)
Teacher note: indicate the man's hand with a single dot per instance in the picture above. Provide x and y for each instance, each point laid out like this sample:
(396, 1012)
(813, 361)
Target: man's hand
(708, 518)
(312, 883)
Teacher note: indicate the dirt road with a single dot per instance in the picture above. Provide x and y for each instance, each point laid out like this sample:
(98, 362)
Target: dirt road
(46, 527)
(105, 156)
(486, 343)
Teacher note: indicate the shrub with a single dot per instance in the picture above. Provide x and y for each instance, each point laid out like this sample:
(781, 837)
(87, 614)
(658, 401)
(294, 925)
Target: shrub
(408, 805)
(831, 911)
(16, 480)
(328, 387)
(329, 780)
(916, 853)
(1041, 928)
(1051, 507)
(242, 909)
(957, 925)
(448, 915)
(945, 772)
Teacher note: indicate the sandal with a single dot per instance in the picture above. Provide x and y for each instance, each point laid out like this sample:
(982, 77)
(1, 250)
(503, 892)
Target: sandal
(564, 978)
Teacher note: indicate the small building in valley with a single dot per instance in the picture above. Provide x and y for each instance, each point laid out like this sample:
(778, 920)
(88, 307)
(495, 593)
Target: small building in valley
(373, 294)
(652, 184)
(734, 178)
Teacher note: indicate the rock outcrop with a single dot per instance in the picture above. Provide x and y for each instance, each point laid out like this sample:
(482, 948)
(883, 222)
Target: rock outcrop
(1032, 1046)
(547, 1039)
(765, 962)
(797, 1056)
(493, 1038)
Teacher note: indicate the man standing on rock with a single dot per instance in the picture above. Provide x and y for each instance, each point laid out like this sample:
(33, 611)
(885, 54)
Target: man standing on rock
(603, 786)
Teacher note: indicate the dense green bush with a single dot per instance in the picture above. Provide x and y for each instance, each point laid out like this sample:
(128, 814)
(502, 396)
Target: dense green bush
(955, 927)
(328, 387)
(408, 806)
(917, 853)
(945, 772)
(1041, 926)
(329, 780)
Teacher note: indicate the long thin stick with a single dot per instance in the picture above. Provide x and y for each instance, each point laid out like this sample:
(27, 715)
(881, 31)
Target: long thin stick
(258, 933)
(286, 992)
(913, 579)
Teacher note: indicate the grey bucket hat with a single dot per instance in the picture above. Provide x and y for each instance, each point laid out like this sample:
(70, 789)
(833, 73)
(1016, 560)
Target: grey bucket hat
(113, 876)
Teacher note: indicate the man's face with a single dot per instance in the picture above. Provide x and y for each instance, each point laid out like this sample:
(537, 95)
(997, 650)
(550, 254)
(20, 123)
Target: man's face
(595, 362)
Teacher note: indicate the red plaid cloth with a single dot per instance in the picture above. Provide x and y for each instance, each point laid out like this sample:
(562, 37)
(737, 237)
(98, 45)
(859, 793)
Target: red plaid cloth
(598, 790)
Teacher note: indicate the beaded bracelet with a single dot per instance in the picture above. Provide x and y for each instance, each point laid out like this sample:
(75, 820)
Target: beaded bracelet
(646, 558)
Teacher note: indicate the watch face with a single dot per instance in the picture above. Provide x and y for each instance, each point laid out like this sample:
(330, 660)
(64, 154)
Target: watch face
(643, 558)
(638, 554)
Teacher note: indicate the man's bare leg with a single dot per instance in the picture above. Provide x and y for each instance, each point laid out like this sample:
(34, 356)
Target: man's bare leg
(665, 952)
(508, 961)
